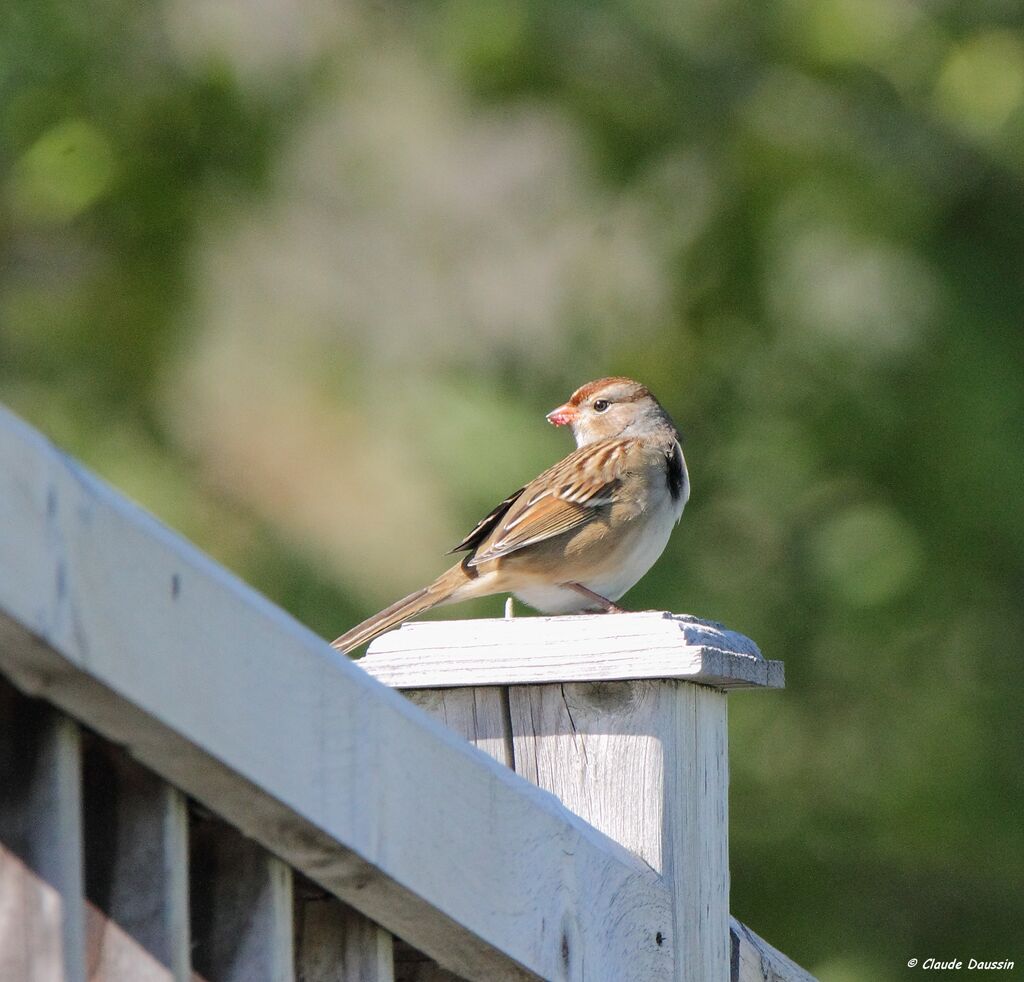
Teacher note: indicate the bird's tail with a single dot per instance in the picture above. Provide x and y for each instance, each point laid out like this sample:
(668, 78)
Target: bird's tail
(439, 592)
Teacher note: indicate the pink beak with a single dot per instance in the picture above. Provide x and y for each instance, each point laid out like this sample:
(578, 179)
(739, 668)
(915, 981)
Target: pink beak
(563, 415)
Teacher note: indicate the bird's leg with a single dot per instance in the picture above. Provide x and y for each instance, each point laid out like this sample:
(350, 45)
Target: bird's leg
(510, 611)
(603, 602)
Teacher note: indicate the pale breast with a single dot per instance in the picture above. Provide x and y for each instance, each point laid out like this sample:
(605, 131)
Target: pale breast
(638, 552)
(607, 563)
(551, 599)
(647, 535)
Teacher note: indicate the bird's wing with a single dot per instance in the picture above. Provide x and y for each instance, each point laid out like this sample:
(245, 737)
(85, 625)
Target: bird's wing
(564, 497)
(486, 524)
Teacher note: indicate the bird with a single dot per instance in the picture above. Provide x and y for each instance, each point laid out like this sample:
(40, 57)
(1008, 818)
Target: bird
(583, 532)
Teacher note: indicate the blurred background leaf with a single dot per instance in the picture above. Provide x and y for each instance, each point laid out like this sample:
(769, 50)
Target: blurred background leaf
(304, 279)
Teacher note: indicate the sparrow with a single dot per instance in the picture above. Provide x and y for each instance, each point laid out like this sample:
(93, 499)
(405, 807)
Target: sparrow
(577, 537)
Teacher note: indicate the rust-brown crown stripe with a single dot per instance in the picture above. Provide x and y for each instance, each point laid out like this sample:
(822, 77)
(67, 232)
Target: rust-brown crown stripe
(584, 392)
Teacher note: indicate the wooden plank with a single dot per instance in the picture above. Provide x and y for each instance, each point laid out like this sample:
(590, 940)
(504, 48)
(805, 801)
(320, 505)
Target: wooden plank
(598, 747)
(637, 762)
(644, 761)
(41, 904)
(128, 628)
(696, 831)
(580, 648)
(754, 960)
(242, 927)
(136, 871)
(478, 714)
(334, 943)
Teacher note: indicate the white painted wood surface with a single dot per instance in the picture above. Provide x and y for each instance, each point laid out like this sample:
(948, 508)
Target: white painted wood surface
(695, 835)
(478, 714)
(643, 761)
(42, 907)
(580, 648)
(242, 928)
(479, 720)
(754, 960)
(106, 614)
(136, 871)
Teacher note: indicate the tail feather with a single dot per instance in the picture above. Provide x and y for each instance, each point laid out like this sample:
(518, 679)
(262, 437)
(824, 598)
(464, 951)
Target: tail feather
(402, 610)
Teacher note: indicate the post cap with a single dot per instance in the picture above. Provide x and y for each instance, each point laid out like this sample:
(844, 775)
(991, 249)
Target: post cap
(651, 644)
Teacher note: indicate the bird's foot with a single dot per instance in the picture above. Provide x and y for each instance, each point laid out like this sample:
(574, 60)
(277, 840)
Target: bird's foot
(604, 603)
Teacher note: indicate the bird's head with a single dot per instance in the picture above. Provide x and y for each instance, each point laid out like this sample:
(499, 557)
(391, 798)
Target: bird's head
(609, 408)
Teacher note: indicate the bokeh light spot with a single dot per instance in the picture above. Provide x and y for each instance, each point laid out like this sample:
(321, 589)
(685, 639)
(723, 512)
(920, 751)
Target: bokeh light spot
(867, 554)
(982, 83)
(859, 30)
(64, 172)
(834, 286)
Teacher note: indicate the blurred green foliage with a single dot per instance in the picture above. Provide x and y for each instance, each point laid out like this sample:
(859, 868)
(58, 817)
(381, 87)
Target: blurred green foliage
(841, 342)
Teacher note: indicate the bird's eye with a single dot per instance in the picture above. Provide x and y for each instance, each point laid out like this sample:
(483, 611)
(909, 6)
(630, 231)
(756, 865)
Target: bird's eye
(600, 405)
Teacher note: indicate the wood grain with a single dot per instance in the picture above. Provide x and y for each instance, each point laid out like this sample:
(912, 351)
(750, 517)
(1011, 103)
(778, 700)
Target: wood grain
(754, 960)
(136, 871)
(242, 927)
(645, 762)
(578, 648)
(42, 914)
(478, 714)
(334, 943)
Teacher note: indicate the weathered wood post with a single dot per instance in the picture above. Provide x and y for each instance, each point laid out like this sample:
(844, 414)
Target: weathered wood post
(623, 717)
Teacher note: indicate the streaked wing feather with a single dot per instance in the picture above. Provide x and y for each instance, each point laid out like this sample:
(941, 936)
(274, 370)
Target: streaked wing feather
(486, 524)
(547, 518)
(564, 497)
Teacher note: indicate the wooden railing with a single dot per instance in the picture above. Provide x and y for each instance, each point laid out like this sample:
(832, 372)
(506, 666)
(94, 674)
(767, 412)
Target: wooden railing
(192, 785)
